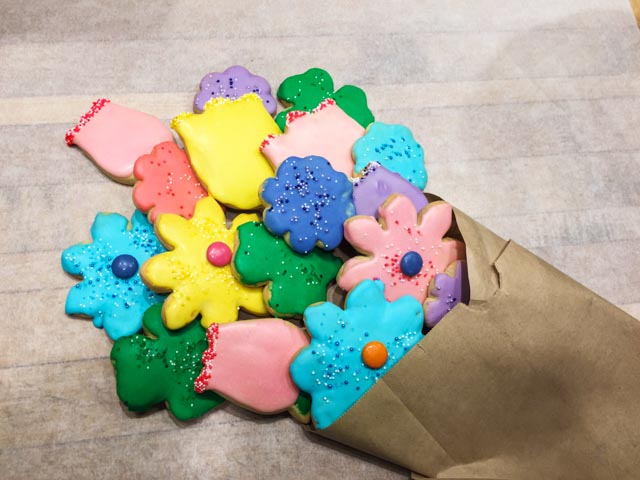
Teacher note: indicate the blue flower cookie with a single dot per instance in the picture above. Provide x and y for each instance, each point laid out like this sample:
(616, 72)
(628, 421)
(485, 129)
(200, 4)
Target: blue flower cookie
(111, 290)
(307, 203)
(393, 147)
(352, 349)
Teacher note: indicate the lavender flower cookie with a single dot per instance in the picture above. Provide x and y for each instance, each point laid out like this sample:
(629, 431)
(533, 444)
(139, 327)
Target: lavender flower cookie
(447, 289)
(233, 83)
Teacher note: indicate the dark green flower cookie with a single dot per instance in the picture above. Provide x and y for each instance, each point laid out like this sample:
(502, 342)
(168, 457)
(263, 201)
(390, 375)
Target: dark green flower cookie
(305, 91)
(161, 366)
(293, 281)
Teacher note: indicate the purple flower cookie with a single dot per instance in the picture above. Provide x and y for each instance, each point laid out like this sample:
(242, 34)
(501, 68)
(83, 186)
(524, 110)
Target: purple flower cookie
(233, 83)
(376, 184)
(446, 291)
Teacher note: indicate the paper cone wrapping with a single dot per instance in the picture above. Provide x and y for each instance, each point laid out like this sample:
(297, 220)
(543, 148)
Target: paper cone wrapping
(537, 378)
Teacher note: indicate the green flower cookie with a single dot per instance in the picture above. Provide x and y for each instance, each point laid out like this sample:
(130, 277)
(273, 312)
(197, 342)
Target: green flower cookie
(305, 91)
(162, 366)
(293, 281)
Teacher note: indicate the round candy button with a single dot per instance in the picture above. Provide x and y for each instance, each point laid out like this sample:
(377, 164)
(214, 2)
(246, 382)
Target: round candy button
(219, 254)
(411, 263)
(124, 266)
(374, 354)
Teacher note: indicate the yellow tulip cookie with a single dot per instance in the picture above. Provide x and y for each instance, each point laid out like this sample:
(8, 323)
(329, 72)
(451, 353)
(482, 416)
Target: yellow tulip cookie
(197, 269)
(223, 144)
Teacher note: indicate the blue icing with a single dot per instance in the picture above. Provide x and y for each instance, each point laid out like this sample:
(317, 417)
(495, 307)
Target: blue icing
(310, 201)
(117, 304)
(393, 147)
(331, 369)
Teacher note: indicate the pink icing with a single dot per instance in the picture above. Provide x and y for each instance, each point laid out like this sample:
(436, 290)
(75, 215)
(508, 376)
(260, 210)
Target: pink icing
(115, 136)
(166, 182)
(402, 231)
(326, 132)
(248, 363)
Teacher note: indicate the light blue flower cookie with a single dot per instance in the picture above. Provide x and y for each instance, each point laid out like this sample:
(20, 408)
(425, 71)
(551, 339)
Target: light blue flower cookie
(111, 290)
(393, 147)
(352, 349)
(307, 203)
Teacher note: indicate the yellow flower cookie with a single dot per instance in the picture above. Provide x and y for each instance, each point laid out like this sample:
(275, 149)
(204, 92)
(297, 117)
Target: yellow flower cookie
(197, 268)
(223, 144)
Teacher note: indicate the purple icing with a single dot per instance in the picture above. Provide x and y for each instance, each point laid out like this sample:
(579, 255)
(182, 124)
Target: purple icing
(376, 184)
(449, 292)
(233, 83)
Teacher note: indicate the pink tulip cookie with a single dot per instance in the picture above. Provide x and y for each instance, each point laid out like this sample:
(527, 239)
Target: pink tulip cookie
(326, 132)
(405, 250)
(248, 363)
(166, 183)
(114, 137)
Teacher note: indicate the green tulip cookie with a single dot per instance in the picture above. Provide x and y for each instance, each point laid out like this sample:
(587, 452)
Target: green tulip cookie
(305, 91)
(292, 281)
(161, 367)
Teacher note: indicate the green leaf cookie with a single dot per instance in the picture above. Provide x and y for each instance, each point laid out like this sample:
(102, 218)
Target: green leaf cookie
(162, 366)
(305, 91)
(293, 281)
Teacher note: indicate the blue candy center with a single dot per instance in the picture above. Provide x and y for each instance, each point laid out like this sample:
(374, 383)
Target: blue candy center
(411, 263)
(124, 266)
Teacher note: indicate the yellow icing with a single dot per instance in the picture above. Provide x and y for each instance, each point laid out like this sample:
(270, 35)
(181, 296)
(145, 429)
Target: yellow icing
(197, 286)
(223, 144)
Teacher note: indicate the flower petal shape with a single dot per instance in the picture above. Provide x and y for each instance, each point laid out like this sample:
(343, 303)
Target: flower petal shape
(292, 281)
(337, 367)
(393, 147)
(197, 268)
(405, 250)
(307, 203)
(111, 290)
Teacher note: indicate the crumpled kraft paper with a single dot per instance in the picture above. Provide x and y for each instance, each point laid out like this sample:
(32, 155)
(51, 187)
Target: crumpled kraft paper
(537, 378)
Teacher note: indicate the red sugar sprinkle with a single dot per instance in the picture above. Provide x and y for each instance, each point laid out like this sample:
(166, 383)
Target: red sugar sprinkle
(324, 104)
(209, 354)
(266, 141)
(84, 119)
(294, 115)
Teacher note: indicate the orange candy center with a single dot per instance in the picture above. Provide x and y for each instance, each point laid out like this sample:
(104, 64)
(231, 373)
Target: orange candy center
(374, 354)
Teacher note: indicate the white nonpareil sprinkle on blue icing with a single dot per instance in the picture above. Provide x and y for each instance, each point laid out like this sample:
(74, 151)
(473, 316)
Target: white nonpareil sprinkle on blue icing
(331, 369)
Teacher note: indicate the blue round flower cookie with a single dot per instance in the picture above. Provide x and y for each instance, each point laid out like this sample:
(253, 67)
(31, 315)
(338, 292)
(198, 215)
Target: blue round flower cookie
(352, 349)
(111, 290)
(307, 203)
(393, 147)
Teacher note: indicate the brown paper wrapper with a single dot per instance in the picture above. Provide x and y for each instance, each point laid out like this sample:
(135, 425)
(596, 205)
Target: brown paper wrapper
(537, 378)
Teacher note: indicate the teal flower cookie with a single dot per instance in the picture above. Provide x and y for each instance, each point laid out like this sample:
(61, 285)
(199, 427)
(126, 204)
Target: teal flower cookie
(111, 290)
(352, 349)
(393, 147)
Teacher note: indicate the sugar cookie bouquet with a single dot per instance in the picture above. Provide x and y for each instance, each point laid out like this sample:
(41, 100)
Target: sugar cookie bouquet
(294, 263)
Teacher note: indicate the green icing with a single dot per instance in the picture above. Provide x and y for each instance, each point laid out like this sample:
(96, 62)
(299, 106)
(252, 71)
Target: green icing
(306, 90)
(162, 367)
(303, 404)
(294, 281)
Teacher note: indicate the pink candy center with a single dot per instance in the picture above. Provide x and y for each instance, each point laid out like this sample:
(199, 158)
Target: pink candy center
(219, 254)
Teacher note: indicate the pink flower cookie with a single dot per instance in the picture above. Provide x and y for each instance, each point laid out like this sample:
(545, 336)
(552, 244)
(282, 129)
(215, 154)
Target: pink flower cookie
(114, 137)
(326, 132)
(166, 183)
(405, 250)
(248, 363)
